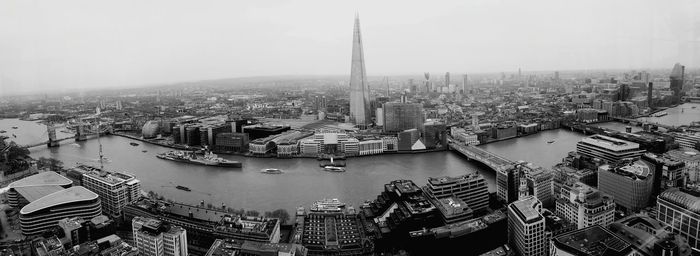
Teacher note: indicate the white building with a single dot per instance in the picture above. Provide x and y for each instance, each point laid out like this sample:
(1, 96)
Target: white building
(154, 238)
(114, 188)
(371, 147)
(526, 227)
(585, 206)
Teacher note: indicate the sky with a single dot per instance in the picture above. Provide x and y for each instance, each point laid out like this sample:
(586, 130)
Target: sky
(66, 45)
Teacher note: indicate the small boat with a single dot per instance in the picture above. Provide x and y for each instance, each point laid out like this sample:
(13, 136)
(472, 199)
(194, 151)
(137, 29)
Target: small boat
(551, 141)
(693, 107)
(144, 151)
(14, 127)
(3, 131)
(271, 171)
(13, 135)
(334, 169)
(183, 188)
(133, 144)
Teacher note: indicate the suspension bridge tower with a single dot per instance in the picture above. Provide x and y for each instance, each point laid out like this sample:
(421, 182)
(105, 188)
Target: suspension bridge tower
(51, 131)
(80, 132)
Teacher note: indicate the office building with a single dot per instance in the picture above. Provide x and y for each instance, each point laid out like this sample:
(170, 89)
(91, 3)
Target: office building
(434, 135)
(407, 139)
(585, 206)
(691, 158)
(649, 237)
(262, 131)
(80, 230)
(630, 183)
(204, 225)
(447, 79)
(116, 189)
(677, 78)
(230, 247)
(153, 237)
(470, 188)
(526, 227)
(595, 240)
(680, 210)
(465, 83)
(667, 173)
(687, 139)
(538, 182)
(507, 183)
(359, 87)
(29, 189)
(331, 232)
(232, 142)
(402, 116)
(44, 213)
(608, 149)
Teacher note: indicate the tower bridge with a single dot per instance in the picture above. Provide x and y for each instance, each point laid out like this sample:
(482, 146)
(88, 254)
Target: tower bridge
(82, 131)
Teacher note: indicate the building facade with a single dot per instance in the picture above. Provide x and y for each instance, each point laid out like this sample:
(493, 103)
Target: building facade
(526, 227)
(629, 183)
(115, 189)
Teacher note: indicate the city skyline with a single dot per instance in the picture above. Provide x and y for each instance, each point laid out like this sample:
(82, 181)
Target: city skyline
(103, 47)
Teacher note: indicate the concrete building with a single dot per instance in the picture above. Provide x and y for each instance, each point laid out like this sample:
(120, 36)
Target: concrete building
(29, 189)
(630, 183)
(585, 206)
(608, 149)
(526, 227)
(470, 188)
(402, 116)
(232, 142)
(595, 240)
(152, 237)
(231, 247)
(115, 189)
(680, 210)
(649, 237)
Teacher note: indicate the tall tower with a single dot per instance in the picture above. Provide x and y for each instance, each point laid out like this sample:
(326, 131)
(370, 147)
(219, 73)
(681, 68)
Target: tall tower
(447, 78)
(359, 88)
(464, 84)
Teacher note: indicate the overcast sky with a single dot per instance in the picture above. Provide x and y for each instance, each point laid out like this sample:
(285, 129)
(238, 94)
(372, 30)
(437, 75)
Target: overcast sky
(60, 45)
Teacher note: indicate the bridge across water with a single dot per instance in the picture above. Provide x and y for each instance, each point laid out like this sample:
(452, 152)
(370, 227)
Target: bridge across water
(82, 131)
(493, 161)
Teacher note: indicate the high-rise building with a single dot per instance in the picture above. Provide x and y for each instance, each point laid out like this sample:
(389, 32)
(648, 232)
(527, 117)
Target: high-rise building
(507, 182)
(608, 149)
(680, 209)
(677, 78)
(434, 135)
(538, 182)
(650, 93)
(470, 188)
(359, 87)
(116, 189)
(464, 84)
(402, 116)
(447, 79)
(585, 206)
(153, 237)
(630, 183)
(526, 227)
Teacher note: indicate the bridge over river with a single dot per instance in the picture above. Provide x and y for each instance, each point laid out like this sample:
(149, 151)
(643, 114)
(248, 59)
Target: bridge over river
(497, 163)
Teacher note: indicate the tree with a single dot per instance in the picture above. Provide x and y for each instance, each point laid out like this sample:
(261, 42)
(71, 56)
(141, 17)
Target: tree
(281, 214)
(253, 213)
(51, 164)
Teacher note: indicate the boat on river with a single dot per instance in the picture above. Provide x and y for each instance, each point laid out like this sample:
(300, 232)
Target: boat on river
(208, 159)
(333, 169)
(14, 127)
(183, 188)
(133, 144)
(3, 131)
(551, 141)
(271, 171)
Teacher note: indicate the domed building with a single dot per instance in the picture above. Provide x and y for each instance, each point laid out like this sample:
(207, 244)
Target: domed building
(150, 129)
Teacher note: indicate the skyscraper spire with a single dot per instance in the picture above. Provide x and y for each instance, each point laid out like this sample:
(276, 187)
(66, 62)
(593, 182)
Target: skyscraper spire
(359, 88)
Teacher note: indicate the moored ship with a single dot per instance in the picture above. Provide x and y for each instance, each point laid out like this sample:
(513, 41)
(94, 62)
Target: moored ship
(333, 169)
(271, 171)
(209, 159)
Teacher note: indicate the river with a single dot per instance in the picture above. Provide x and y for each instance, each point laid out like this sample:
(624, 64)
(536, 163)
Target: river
(302, 183)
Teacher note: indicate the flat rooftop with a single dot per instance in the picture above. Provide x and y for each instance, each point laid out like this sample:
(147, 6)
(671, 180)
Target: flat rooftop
(610, 143)
(448, 179)
(36, 192)
(69, 195)
(593, 241)
(452, 206)
(524, 208)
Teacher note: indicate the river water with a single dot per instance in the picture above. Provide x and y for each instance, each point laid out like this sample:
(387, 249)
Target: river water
(302, 183)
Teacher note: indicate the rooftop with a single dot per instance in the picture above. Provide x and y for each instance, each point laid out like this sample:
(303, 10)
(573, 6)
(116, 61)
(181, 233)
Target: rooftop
(106, 176)
(593, 241)
(448, 179)
(69, 195)
(452, 206)
(634, 230)
(33, 193)
(682, 198)
(610, 143)
(42, 179)
(526, 209)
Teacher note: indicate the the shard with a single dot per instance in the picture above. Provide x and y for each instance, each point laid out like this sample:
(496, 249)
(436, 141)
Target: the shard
(359, 88)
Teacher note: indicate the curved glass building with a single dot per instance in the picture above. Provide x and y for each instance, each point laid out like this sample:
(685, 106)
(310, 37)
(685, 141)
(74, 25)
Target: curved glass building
(45, 212)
